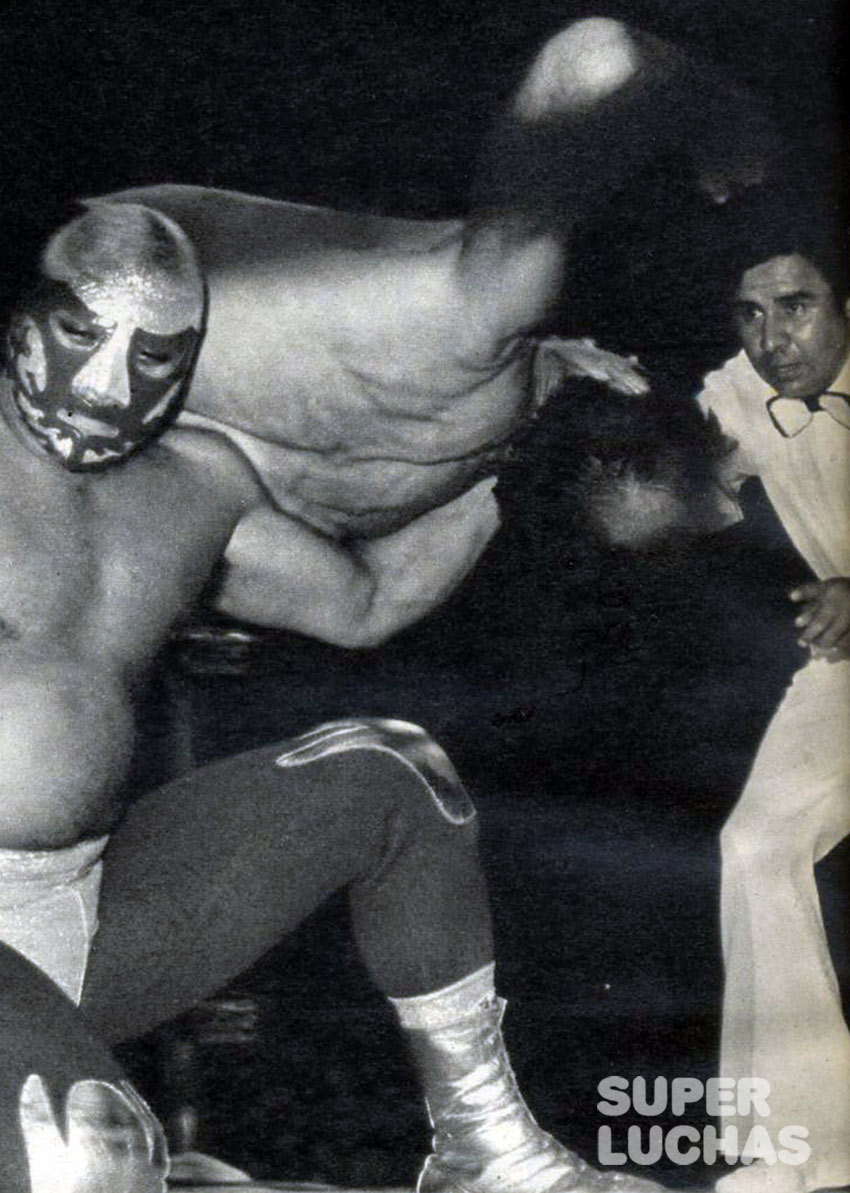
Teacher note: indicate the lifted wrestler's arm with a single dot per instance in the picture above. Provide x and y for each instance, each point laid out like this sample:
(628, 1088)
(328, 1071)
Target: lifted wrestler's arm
(280, 573)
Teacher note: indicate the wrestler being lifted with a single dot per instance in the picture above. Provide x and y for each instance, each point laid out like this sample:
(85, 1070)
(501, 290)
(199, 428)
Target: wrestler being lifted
(374, 368)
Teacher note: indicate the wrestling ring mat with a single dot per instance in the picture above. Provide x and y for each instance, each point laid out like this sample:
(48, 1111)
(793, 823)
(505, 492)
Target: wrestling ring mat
(199, 1173)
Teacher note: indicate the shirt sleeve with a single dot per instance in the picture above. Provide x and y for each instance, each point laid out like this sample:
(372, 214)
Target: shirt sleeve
(720, 401)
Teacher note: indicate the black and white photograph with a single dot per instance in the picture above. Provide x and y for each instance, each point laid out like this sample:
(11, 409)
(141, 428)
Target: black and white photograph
(425, 673)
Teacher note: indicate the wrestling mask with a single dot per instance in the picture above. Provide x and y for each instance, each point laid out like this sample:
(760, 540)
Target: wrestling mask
(100, 354)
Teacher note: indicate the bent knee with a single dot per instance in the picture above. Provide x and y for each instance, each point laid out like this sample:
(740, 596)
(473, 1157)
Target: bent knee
(589, 60)
(408, 744)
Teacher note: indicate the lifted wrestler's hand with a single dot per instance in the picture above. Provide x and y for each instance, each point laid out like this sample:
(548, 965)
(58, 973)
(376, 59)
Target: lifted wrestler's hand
(106, 1141)
(584, 358)
(824, 620)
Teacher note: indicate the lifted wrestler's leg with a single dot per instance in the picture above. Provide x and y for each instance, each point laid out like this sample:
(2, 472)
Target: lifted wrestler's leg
(600, 101)
(206, 874)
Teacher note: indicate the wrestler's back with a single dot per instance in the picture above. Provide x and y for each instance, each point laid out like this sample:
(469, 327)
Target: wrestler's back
(345, 342)
(95, 569)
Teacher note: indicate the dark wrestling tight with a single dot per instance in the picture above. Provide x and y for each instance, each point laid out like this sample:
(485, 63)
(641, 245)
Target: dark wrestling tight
(206, 874)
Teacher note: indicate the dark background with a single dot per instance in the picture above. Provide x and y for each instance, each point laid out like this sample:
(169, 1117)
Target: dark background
(357, 104)
(380, 107)
(603, 708)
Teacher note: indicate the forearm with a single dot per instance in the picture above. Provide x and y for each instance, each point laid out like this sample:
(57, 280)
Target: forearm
(334, 612)
(416, 569)
(284, 575)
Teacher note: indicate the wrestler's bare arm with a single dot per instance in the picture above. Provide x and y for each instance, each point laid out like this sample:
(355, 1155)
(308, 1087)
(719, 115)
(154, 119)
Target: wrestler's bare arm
(281, 573)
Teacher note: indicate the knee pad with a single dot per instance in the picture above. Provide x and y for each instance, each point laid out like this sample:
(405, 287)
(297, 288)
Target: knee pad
(408, 743)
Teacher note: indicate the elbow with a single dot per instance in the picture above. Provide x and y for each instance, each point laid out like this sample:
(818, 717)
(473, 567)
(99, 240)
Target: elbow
(351, 636)
(369, 628)
(367, 619)
(360, 636)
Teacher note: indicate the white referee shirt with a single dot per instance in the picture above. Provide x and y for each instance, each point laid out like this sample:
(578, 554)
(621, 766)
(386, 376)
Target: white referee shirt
(806, 476)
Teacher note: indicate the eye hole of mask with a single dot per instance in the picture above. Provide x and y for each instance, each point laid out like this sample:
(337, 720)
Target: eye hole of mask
(74, 333)
(158, 365)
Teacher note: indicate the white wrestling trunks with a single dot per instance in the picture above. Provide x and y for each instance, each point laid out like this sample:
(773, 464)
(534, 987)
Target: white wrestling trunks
(48, 908)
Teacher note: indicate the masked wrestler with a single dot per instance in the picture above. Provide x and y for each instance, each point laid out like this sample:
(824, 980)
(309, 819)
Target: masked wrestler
(99, 358)
(374, 368)
(114, 917)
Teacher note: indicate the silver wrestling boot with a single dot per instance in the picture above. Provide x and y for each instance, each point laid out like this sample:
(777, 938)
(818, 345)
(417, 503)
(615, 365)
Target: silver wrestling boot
(104, 1137)
(485, 1137)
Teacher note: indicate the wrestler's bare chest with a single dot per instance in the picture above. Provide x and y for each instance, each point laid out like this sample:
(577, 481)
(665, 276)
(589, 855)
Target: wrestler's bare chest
(347, 342)
(356, 393)
(95, 569)
(102, 562)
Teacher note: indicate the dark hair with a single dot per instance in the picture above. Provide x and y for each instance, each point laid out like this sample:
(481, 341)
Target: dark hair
(590, 440)
(780, 221)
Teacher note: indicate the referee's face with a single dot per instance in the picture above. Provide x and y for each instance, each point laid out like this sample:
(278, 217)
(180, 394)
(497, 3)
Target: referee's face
(791, 326)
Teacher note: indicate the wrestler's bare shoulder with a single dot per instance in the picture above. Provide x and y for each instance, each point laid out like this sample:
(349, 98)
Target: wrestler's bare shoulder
(213, 461)
(197, 466)
(163, 521)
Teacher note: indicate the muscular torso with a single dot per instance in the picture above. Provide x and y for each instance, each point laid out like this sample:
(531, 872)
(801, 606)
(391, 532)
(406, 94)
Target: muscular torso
(343, 349)
(95, 569)
(365, 385)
